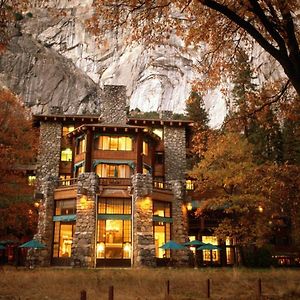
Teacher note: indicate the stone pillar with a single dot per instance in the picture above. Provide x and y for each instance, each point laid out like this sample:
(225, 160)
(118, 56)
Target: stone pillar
(45, 222)
(175, 153)
(179, 225)
(113, 106)
(49, 152)
(84, 240)
(143, 239)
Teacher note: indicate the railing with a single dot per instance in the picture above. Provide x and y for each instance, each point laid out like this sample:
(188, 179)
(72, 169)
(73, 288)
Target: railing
(67, 182)
(161, 185)
(114, 181)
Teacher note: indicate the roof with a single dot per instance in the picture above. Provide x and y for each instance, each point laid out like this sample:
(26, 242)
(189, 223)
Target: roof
(159, 122)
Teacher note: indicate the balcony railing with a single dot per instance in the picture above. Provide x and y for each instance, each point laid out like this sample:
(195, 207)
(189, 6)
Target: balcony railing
(114, 181)
(161, 185)
(67, 182)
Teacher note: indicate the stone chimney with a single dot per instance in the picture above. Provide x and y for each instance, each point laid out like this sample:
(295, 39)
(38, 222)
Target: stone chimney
(166, 114)
(113, 105)
(55, 110)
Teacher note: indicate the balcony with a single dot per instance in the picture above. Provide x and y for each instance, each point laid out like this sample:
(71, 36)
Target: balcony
(114, 181)
(67, 182)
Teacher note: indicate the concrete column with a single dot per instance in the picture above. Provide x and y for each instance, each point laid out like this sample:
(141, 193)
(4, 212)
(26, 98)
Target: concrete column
(179, 226)
(84, 240)
(143, 239)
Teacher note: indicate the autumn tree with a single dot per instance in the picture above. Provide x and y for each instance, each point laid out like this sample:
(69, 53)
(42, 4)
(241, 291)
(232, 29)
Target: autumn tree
(219, 26)
(17, 152)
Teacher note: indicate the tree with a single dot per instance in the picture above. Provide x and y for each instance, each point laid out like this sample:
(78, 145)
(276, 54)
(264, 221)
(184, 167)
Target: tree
(17, 151)
(221, 25)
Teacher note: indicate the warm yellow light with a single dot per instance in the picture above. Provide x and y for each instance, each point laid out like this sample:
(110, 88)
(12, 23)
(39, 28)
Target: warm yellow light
(260, 209)
(189, 206)
(36, 204)
(100, 247)
(145, 203)
(83, 201)
(127, 248)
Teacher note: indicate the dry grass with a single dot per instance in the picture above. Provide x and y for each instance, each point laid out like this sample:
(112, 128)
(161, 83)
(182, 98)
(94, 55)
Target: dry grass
(142, 284)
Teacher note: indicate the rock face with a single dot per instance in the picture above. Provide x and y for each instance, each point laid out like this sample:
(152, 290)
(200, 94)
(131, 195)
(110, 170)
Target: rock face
(53, 60)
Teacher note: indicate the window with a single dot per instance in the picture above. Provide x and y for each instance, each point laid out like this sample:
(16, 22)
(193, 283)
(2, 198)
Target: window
(189, 185)
(80, 145)
(159, 158)
(66, 129)
(112, 170)
(79, 170)
(114, 143)
(114, 228)
(66, 155)
(65, 207)
(162, 226)
(31, 180)
(207, 253)
(162, 209)
(120, 206)
(63, 238)
(145, 148)
(65, 179)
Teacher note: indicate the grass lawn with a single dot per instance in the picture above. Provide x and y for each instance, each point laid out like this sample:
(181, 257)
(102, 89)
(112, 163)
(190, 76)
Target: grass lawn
(142, 284)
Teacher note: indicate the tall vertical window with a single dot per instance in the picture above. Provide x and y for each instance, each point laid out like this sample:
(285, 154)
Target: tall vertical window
(162, 226)
(80, 145)
(63, 238)
(114, 143)
(145, 148)
(211, 255)
(114, 229)
(66, 155)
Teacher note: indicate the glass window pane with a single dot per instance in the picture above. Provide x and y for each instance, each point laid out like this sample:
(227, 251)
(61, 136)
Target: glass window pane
(128, 144)
(160, 239)
(127, 207)
(122, 143)
(127, 231)
(114, 143)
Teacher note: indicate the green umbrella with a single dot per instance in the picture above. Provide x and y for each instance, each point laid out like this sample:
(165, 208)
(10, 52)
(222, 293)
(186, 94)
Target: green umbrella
(172, 246)
(33, 244)
(2, 247)
(194, 243)
(208, 246)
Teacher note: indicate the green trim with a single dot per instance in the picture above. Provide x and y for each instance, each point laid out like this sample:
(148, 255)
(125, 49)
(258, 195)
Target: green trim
(162, 219)
(78, 165)
(113, 217)
(64, 218)
(130, 163)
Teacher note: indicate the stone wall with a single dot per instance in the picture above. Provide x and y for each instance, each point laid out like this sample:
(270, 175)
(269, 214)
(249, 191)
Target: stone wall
(179, 225)
(49, 151)
(83, 246)
(45, 222)
(143, 239)
(175, 153)
(113, 105)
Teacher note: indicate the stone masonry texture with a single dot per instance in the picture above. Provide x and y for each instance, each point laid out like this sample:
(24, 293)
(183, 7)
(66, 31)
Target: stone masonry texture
(175, 153)
(113, 104)
(143, 239)
(83, 246)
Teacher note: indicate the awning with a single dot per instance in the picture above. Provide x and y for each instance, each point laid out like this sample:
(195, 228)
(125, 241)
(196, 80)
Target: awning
(64, 218)
(130, 163)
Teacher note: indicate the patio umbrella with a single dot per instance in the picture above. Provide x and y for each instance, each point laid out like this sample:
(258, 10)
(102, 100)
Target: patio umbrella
(209, 246)
(172, 246)
(33, 244)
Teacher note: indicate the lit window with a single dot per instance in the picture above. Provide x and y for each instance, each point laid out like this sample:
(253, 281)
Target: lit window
(67, 129)
(81, 145)
(145, 148)
(189, 184)
(31, 180)
(63, 238)
(112, 170)
(207, 253)
(114, 143)
(66, 155)
(65, 207)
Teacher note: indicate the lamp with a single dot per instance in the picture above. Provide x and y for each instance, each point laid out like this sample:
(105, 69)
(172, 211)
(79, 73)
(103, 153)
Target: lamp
(189, 206)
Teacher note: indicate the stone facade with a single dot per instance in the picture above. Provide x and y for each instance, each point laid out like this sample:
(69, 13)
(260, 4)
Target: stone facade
(113, 105)
(49, 152)
(143, 239)
(45, 221)
(179, 226)
(175, 153)
(83, 246)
